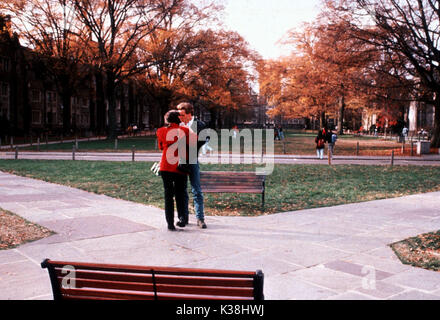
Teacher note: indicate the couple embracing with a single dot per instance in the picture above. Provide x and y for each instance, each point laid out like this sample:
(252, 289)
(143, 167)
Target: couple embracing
(181, 127)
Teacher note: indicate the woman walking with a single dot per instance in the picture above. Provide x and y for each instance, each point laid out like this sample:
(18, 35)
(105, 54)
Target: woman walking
(174, 181)
(320, 144)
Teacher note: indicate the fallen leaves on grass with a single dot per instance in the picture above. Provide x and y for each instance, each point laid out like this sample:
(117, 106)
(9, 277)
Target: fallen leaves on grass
(15, 230)
(422, 251)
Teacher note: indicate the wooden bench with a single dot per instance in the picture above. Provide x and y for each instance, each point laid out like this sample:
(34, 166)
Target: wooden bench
(92, 281)
(233, 182)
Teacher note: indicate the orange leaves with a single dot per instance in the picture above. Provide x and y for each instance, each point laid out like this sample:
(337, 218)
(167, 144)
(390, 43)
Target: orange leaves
(326, 65)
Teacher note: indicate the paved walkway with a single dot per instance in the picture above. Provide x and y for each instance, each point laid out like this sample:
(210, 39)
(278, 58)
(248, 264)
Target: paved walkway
(324, 253)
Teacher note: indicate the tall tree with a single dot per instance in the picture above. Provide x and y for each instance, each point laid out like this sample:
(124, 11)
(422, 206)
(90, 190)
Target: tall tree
(220, 74)
(407, 30)
(170, 51)
(115, 28)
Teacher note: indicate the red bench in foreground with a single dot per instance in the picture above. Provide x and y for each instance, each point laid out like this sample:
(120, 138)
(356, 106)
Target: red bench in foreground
(77, 280)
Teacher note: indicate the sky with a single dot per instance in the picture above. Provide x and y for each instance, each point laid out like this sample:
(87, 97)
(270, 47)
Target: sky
(264, 22)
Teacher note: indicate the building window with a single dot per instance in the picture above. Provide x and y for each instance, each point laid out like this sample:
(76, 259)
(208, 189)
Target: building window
(35, 96)
(5, 64)
(51, 96)
(36, 117)
(51, 104)
(4, 99)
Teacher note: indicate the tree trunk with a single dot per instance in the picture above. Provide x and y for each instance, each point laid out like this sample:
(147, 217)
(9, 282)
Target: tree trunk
(124, 124)
(341, 115)
(111, 98)
(435, 142)
(132, 105)
(66, 99)
(219, 119)
(100, 104)
(92, 114)
(322, 121)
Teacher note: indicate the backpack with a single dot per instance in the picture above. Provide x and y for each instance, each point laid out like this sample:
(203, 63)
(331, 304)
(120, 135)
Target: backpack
(321, 143)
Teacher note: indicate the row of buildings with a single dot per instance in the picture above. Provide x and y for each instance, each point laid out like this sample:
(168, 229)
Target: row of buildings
(31, 103)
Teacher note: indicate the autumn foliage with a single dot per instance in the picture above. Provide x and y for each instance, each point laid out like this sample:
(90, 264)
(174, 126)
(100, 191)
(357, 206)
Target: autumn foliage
(171, 49)
(362, 55)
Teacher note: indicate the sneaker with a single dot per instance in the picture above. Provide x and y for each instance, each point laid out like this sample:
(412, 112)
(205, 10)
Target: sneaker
(201, 224)
(171, 228)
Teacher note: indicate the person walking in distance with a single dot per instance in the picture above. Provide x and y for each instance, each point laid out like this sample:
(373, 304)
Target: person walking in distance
(331, 139)
(186, 110)
(320, 143)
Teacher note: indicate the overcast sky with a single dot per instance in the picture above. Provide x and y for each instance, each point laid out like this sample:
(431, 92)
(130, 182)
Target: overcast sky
(262, 22)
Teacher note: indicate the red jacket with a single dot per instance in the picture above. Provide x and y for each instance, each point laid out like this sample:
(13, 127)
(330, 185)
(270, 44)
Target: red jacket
(170, 163)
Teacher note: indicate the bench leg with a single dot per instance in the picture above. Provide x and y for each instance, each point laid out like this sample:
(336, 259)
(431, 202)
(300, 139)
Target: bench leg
(258, 285)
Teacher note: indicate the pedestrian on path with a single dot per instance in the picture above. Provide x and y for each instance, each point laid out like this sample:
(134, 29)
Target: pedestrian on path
(320, 143)
(331, 140)
(281, 132)
(174, 181)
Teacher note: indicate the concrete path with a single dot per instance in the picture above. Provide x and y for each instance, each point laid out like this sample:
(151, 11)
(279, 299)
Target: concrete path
(327, 253)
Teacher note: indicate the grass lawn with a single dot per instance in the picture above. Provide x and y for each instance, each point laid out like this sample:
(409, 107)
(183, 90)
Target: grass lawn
(143, 143)
(289, 188)
(296, 143)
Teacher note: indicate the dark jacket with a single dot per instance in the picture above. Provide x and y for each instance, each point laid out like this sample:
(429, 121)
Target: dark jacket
(320, 136)
(197, 127)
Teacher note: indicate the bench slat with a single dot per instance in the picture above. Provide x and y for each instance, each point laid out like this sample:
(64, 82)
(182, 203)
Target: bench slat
(230, 179)
(160, 279)
(121, 295)
(157, 270)
(231, 190)
(108, 294)
(231, 183)
(163, 288)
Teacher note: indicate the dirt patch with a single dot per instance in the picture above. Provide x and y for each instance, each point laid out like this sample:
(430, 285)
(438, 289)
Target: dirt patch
(422, 251)
(15, 230)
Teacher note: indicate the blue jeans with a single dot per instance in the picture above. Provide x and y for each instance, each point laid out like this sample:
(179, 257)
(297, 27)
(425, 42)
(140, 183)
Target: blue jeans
(196, 190)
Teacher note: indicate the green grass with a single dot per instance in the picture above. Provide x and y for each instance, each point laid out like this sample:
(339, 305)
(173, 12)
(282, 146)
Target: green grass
(298, 143)
(290, 187)
(126, 144)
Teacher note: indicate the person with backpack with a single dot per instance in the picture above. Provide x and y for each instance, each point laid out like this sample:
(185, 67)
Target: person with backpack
(320, 143)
